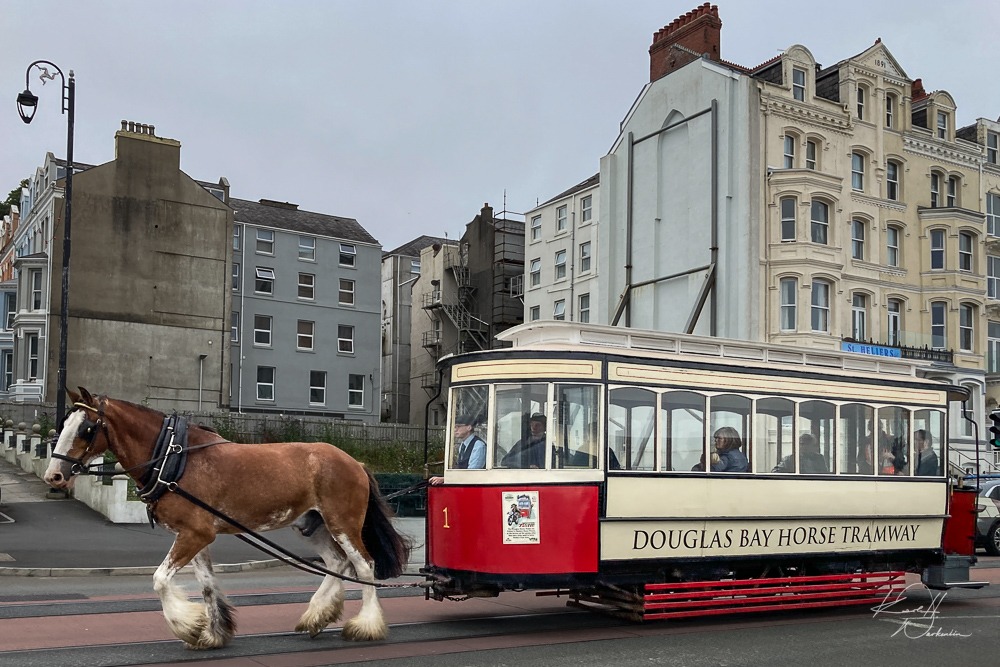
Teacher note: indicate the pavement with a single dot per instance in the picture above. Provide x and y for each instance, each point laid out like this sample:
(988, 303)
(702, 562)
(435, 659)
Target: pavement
(58, 537)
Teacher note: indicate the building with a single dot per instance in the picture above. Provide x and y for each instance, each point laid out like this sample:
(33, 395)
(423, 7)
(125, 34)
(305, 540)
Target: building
(148, 297)
(8, 293)
(469, 292)
(400, 269)
(561, 243)
(305, 313)
(433, 334)
(835, 207)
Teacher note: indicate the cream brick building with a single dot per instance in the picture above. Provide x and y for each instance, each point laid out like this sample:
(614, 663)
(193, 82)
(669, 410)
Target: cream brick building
(837, 207)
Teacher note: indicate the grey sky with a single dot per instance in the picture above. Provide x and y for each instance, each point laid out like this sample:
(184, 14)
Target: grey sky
(409, 115)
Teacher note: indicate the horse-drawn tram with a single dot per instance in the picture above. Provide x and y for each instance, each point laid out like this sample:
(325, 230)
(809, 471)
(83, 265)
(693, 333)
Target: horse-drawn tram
(660, 475)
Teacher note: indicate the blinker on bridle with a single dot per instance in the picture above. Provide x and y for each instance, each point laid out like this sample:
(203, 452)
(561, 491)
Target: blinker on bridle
(88, 433)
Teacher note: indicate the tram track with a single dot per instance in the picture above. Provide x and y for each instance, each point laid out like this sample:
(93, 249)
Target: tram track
(100, 637)
(13, 608)
(286, 643)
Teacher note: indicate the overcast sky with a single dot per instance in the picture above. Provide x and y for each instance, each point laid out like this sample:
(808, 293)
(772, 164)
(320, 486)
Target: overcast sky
(409, 115)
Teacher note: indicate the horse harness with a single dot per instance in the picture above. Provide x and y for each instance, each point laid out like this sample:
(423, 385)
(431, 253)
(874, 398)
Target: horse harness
(165, 468)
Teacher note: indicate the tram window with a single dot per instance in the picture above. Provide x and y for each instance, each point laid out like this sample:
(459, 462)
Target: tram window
(928, 434)
(731, 411)
(577, 436)
(893, 441)
(817, 453)
(683, 419)
(774, 424)
(517, 441)
(470, 408)
(632, 427)
(857, 455)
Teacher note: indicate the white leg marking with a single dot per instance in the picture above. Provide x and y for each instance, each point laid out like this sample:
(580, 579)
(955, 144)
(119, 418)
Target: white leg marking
(369, 624)
(327, 603)
(185, 619)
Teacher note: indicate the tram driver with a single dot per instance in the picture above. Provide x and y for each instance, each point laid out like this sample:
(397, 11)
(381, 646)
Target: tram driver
(469, 448)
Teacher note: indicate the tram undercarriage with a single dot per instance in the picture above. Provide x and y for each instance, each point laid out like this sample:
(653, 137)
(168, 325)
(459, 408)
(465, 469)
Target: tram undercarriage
(715, 587)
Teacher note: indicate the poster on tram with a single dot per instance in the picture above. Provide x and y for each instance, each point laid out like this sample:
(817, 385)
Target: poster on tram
(520, 517)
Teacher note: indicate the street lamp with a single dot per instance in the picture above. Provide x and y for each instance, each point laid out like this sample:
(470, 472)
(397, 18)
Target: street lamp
(27, 104)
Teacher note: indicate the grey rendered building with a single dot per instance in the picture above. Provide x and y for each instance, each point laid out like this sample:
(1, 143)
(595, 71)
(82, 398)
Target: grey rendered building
(305, 315)
(147, 298)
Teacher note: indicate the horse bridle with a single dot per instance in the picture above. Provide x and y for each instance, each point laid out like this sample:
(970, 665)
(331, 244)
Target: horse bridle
(88, 433)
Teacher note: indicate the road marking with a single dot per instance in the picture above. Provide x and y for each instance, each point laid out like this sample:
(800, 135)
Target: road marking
(5, 519)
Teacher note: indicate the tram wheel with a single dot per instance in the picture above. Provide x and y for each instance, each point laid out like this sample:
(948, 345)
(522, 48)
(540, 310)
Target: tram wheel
(993, 540)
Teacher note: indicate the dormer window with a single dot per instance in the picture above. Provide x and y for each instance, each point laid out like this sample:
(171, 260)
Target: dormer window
(890, 111)
(799, 84)
(862, 95)
(992, 146)
(942, 125)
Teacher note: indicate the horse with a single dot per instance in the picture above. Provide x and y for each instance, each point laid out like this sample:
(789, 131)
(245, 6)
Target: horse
(331, 499)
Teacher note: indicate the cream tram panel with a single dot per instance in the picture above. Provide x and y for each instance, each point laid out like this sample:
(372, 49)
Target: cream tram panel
(666, 518)
(720, 495)
(770, 384)
(628, 540)
(526, 368)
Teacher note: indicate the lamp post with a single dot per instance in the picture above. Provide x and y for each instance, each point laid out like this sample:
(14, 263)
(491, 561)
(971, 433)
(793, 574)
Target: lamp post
(27, 104)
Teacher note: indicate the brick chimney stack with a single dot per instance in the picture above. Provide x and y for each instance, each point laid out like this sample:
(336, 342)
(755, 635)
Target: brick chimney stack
(686, 38)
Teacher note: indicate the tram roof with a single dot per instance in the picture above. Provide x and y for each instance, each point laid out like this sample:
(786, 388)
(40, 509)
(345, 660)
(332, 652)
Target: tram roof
(604, 339)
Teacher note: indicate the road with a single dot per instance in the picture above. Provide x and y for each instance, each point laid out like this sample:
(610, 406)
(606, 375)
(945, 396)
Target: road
(105, 621)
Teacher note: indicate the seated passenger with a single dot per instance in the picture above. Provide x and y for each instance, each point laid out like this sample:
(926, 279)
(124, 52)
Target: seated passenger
(927, 460)
(727, 446)
(528, 452)
(893, 455)
(811, 459)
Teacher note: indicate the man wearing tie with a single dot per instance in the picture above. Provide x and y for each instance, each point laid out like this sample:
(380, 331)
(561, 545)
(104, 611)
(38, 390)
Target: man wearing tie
(470, 448)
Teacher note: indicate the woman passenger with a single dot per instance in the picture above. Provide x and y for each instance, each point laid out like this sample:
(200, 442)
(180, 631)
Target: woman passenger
(727, 446)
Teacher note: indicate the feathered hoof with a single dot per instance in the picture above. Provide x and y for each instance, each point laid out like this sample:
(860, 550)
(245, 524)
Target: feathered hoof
(362, 630)
(315, 622)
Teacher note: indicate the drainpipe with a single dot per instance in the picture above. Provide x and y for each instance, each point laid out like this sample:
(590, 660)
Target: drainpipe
(201, 377)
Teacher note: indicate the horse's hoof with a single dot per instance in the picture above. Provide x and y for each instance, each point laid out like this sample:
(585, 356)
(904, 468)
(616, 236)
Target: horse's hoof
(312, 628)
(356, 630)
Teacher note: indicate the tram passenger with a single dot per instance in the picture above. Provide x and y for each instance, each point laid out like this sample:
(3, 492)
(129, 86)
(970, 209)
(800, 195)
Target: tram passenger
(927, 460)
(811, 460)
(892, 454)
(727, 447)
(471, 450)
(528, 452)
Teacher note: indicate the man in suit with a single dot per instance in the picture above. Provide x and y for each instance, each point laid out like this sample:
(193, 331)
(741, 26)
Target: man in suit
(927, 460)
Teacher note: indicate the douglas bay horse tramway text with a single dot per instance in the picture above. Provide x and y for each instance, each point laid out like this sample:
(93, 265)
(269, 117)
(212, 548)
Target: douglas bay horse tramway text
(208, 485)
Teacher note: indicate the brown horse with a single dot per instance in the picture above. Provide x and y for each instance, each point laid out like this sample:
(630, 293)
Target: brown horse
(261, 486)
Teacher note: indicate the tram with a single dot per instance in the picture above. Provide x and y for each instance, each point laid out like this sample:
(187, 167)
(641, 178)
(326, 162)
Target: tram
(630, 501)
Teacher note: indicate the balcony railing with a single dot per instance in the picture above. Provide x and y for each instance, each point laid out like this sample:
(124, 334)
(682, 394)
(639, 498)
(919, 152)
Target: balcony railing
(909, 346)
(431, 339)
(428, 381)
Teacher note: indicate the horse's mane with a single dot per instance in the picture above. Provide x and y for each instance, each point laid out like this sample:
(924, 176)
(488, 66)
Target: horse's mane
(153, 412)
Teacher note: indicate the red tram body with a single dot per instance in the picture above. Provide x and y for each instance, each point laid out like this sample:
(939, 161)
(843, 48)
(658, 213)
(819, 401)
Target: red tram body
(614, 506)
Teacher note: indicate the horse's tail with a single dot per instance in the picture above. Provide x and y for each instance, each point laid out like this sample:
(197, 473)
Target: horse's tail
(389, 549)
